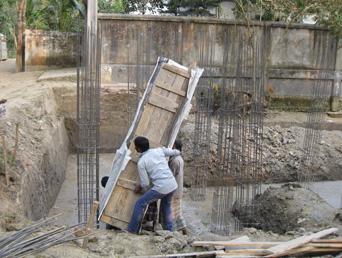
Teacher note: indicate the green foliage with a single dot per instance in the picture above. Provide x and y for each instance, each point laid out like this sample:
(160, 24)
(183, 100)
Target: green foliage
(191, 7)
(127, 6)
(51, 15)
(325, 12)
(144, 5)
(113, 6)
(8, 20)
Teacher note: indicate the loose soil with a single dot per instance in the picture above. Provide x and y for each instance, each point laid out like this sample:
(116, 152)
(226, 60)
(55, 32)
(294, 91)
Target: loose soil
(45, 111)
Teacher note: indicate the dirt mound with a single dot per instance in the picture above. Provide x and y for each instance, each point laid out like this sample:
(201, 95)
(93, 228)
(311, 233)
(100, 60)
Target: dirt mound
(109, 243)
(288, 208)
(283, 154)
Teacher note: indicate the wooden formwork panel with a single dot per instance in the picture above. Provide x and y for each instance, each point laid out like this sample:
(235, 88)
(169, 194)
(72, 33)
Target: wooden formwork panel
(160, 111)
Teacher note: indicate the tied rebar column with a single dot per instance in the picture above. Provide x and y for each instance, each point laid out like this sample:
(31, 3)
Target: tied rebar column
(203, 116)
(240, 114)
(88, 114)
(324, 62)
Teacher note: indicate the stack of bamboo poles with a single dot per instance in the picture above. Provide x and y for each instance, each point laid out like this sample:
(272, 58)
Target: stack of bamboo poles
(32, 240)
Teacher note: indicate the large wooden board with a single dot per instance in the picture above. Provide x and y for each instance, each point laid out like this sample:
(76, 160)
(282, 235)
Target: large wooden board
(156, 121)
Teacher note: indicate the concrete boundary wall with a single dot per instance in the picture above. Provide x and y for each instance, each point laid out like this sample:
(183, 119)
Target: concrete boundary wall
(295, 52)
(50, 49)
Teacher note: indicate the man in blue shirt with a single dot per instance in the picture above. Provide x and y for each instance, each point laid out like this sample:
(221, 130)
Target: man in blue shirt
(156, 182)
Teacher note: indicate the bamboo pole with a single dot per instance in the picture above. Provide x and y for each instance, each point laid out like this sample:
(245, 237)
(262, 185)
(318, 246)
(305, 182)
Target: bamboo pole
(16, 141)
(4, 149)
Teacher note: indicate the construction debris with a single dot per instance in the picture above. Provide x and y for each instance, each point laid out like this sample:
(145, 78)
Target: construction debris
(31, 240)
(310, 244)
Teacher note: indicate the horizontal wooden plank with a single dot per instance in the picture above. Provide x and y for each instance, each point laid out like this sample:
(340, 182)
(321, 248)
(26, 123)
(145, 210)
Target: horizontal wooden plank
(114, 222)
(194, 254)
(125, 183)
(169, 88)
(235, 244)
(333, 240)
(278, 250)
(163, 102)
(256, 252)
(176, 70)
(310, 250)
(135, 157)
(326, 245)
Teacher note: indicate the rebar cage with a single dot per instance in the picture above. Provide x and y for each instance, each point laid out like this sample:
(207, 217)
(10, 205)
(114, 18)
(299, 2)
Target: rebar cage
(88, 113)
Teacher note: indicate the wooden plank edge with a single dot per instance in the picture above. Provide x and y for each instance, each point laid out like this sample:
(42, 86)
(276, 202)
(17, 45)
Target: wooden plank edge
(175, 91)
(196, 254)
(257, 252)
(234, 244)
(279, 250)
(177, 70)
(310, 250)
(113, 221)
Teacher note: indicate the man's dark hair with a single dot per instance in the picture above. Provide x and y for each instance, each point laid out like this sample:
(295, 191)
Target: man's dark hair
(104, 181)
(178, 145)
(142, 143)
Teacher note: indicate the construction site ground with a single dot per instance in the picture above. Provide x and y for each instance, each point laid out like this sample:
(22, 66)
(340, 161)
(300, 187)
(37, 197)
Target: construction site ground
(43, 180)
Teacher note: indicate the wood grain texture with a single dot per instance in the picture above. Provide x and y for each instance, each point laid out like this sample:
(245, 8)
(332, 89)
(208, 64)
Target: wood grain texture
(156, 121)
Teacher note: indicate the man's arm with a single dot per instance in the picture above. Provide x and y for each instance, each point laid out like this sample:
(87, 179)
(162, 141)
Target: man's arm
(144, 180)
(170, 152)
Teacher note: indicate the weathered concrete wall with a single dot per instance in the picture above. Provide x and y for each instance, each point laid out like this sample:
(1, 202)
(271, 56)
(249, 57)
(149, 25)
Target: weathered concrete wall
(114, 118)
(50, 49)
(294, 54)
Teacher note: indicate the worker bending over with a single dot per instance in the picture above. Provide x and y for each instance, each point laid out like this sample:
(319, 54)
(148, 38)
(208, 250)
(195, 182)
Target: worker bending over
(153, 167)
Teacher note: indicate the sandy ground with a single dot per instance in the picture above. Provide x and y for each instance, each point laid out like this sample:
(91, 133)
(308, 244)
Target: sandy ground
(66, 202)
(20, 88)
(196, 213)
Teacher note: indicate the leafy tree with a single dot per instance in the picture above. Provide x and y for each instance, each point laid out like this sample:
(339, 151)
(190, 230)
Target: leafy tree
(191, 7)
(113, 6)
(51, 15)
(325, 12)
(144, 5)
(8, 20)
(127, 6)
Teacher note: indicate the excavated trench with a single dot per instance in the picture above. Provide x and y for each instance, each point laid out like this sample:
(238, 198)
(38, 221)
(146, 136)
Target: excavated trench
(39, 170)
(47, 172)
(46, 162)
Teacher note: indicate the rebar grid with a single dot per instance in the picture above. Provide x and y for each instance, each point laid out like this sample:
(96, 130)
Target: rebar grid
(240, 115)
(204, 109)
(324, 55)
(88, 114)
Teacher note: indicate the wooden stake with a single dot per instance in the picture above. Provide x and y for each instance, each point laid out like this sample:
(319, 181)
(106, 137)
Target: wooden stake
(16, 141)
(4, 149)
(90, 222)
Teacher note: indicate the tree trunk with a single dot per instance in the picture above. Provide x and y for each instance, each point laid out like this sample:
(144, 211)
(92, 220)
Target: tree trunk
(20, 28)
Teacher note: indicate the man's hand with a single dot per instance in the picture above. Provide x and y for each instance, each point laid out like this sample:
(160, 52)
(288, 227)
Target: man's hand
(138, 189)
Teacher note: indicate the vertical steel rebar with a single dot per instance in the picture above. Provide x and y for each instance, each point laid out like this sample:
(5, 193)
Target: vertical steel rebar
(88, 113)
